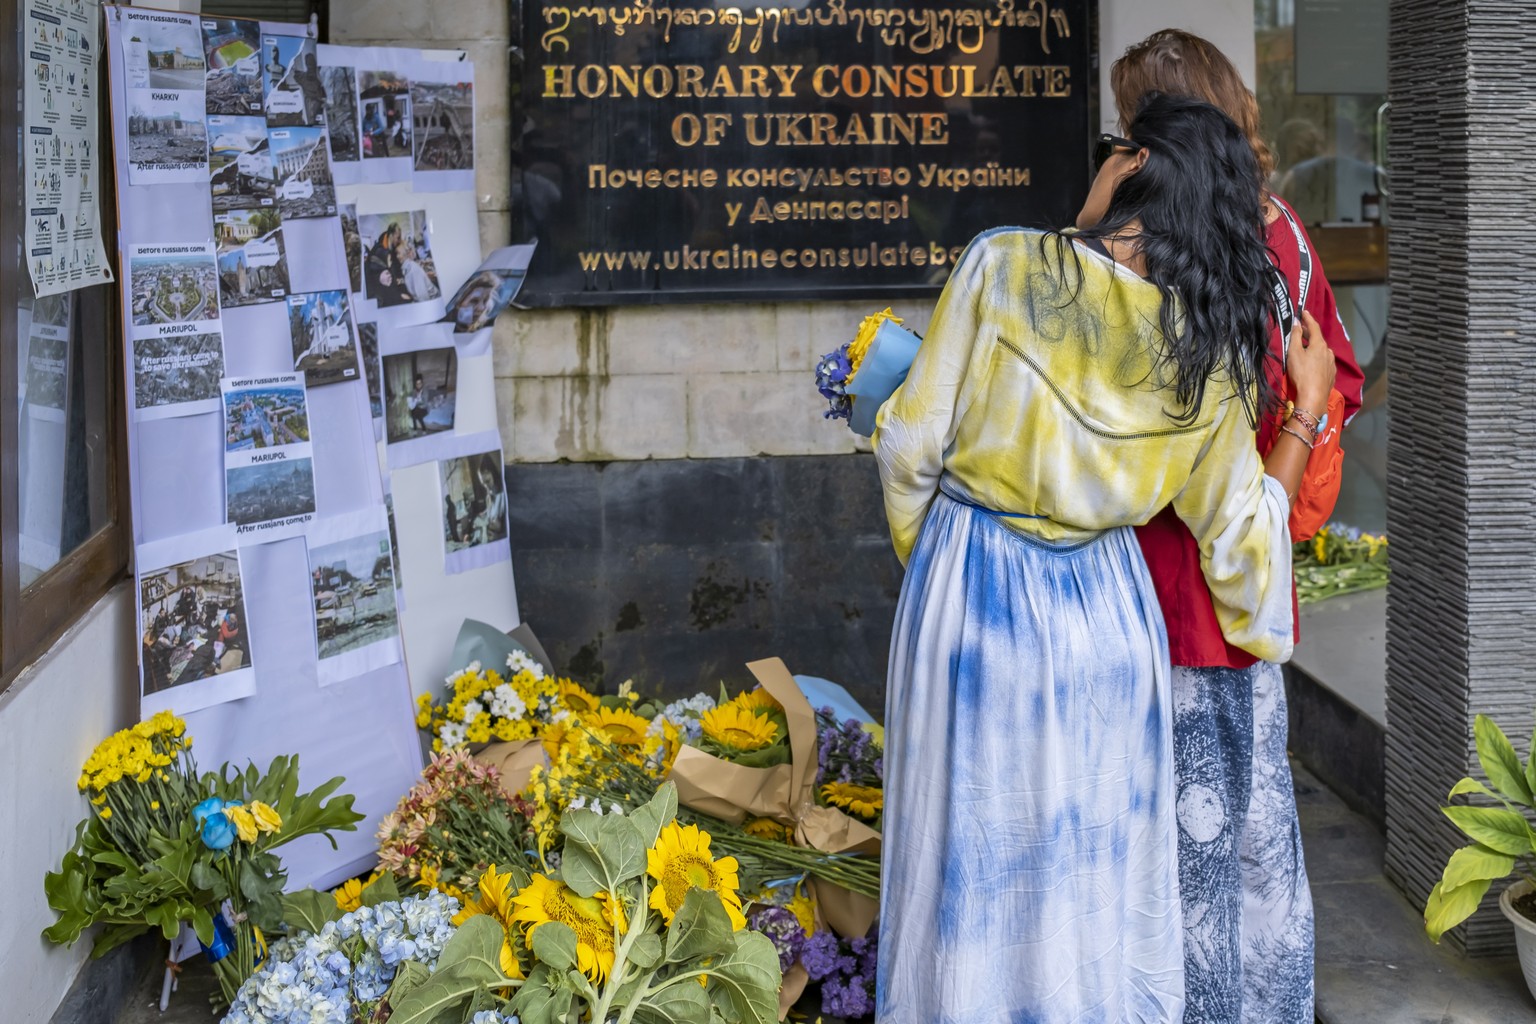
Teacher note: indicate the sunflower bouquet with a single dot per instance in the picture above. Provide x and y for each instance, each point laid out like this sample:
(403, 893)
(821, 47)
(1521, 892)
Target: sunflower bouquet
(166, 846)
(1339, 560)
(857, 377)
(850, 767)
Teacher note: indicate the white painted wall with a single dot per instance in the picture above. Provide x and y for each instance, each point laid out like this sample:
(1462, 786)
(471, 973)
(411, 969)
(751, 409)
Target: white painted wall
(84, 689)
(1123, 23)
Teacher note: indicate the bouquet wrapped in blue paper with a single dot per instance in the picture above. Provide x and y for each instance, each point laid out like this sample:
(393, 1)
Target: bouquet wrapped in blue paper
(858, 377)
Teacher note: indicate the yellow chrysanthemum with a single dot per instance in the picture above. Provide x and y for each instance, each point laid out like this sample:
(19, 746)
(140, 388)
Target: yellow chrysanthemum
(733, 727)
(591, 918)
(680, 861)
(865, 801)
(758, 701)
(619, 725)
(765, 828)
(576, 697)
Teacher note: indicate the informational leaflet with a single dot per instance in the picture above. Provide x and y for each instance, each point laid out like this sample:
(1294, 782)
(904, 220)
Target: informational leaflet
(269, 476)
(63, 231)
(353, 580)
(178, 349)
(166, 72)
(474, 504)
(195, 644)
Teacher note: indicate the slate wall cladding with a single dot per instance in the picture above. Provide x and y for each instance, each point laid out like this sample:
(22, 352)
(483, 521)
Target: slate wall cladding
(1462, 453)
(677, 572)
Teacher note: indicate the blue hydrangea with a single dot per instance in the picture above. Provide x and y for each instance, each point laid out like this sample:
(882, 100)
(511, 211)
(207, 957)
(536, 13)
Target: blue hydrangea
(316, 979)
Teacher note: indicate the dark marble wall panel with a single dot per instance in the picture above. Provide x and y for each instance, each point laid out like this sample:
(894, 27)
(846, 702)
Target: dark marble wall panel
(676, 573)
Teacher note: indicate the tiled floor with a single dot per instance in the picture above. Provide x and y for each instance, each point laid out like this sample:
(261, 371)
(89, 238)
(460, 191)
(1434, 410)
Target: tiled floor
(1374, 963)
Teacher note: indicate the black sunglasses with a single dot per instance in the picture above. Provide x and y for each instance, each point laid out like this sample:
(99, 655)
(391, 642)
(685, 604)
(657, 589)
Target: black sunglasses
(1104, 148)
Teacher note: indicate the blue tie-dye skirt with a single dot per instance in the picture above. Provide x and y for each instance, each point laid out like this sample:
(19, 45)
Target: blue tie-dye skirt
(1030, 849)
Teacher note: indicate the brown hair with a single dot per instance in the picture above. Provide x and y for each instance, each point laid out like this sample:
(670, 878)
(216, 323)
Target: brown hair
(1182, 64)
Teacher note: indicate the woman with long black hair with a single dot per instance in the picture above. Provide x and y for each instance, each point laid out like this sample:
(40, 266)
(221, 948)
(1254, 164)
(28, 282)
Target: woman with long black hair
(1070, 386)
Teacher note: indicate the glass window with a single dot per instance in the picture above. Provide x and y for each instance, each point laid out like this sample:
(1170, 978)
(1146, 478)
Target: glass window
(1330, 151)
(63, 518)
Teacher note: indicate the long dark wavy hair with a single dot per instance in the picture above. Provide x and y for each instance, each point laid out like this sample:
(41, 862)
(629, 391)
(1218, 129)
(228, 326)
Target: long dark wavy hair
(1201, 235)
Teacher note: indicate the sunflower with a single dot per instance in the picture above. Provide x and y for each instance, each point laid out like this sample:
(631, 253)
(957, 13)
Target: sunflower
(591, 918)
(555, 736)
(349, 894)
(494, 899)
(865, 801)
(680, 861)
(576, 697)
(619, 725)
(765, 828)
(731, 726)
(758, 701)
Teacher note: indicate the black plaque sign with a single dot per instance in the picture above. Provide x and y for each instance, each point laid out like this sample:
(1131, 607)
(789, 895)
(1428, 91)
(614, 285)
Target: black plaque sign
(695, 150)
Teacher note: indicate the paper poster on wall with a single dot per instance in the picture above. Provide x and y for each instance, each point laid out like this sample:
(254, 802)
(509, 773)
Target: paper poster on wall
(320, 325)
(303, 161)
(163, 50)
(352, 578)
(195, 648)
(352, 242)
(232, 51)
(292, 77)
(177, 332)
(167, 137)
(46, 380)
(420, 396)
(368, 352)
(481, 299)
(443, 113)
(474, 505)
(269, 482)
(63, 239)
(340, 85)
(253, 264)
(398, 267)
(384, 108)
(240, 171)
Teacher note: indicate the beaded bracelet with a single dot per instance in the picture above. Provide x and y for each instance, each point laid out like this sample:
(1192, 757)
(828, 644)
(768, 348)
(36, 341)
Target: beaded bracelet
(1298, 436)
(1307, 420)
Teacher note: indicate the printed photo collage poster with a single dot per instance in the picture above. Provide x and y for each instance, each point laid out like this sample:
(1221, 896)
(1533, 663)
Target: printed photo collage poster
(291, 218)
(60, 145)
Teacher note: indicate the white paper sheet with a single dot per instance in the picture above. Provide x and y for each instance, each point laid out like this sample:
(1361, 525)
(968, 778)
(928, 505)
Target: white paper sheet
(61, 144)
(352, 579)
(177, 332)
(474, 499)
(269, 469)
(195, 636)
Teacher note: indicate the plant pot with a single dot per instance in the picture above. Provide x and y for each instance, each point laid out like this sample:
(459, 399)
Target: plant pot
(1525, 931)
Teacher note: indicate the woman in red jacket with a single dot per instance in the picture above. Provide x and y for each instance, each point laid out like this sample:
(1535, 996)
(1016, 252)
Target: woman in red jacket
(1247, 910)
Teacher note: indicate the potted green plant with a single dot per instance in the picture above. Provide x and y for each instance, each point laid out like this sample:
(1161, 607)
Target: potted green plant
(1502, 844)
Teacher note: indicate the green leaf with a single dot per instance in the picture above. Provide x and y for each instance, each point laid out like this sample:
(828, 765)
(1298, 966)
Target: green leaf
(744, 983)
(646, 952)
(1530, 765)
(545, 997)
(309, 910)
(1448, 908)
(612, 844)
(1499, 762)
(383, 889)
(700, 928)
(410, 975)
(582, 871)
(476, 946)
(203, 877)
(653, 816)
(202, 924)
(253, 884)
(1471, 785)
(447, 989)
(683, 1002)
(555, 944)
(1494, 827)
(1474, 864)
(114, 935)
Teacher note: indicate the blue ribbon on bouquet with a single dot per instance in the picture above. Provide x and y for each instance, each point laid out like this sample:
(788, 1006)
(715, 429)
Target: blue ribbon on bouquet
(883, 370)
